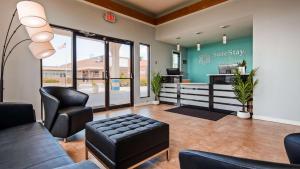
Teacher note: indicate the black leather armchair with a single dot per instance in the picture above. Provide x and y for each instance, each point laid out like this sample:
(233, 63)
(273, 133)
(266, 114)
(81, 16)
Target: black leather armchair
(65, 110)
(190, 159)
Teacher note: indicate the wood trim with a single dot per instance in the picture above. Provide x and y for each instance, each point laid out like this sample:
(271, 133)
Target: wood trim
(188, 10)
(108, 4)
(123, 10)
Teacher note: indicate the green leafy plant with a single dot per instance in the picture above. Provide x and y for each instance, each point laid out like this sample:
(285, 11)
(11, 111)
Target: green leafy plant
(242, 64)
(156, 84)
(243, 88)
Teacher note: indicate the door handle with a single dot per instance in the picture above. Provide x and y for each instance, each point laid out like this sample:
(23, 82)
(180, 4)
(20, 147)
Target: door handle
(106, 75)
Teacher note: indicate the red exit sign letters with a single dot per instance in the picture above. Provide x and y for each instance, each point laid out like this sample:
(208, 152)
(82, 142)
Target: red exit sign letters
(110, 17)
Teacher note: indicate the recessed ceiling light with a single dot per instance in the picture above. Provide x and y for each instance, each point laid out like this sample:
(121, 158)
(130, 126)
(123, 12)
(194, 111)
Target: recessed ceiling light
(224, 26)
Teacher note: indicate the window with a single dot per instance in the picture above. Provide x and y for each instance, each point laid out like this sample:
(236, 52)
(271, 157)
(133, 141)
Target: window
(57, 69)
(97, 65)
(144, 70)
(176, 60)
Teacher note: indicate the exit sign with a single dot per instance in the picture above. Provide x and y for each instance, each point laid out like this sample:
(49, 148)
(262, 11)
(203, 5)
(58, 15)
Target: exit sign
(110, 17)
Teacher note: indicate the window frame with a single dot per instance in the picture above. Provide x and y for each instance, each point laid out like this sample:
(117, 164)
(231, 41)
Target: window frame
(72, 56)
(148, 69)
(75, 33)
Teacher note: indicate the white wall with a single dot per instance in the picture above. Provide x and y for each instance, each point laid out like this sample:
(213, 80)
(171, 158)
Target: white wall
(276, 40)
(22, 76)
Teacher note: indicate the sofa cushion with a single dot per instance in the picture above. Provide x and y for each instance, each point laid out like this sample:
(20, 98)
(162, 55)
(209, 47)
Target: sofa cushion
(30, 146)
(81, 165)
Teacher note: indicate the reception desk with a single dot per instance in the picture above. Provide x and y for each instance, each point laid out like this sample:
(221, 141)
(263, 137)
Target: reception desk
(217, 95)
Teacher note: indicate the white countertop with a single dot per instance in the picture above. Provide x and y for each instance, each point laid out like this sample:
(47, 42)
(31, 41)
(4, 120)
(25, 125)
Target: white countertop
(222, 74)
(194, 83)
(172, 75)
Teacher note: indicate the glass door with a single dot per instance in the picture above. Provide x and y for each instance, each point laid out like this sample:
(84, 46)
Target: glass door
(120, 74)
(104, 71)
(90, 70)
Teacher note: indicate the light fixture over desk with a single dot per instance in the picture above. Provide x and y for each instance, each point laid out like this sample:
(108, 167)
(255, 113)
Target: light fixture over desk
(32, 16)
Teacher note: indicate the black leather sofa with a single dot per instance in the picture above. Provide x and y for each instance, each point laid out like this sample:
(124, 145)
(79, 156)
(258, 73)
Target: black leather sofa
(25, 143)
(65, 110)
(190, 159)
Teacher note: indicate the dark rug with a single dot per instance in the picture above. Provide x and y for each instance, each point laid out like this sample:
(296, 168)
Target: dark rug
(197, 112)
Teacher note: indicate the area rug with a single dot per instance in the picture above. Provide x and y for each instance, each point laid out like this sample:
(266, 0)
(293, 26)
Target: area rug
(198, 112)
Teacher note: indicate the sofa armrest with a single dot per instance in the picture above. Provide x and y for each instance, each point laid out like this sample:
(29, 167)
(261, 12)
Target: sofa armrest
(81, 165)
(190, 159)
(13, 114)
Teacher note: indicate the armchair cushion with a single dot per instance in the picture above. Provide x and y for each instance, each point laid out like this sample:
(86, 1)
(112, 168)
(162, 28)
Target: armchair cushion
(72, 118)
(191, 159)
(13, 114)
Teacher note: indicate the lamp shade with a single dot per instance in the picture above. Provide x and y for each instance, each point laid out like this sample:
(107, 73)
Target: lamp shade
(42, 34)
(31, 14)
(41, 50)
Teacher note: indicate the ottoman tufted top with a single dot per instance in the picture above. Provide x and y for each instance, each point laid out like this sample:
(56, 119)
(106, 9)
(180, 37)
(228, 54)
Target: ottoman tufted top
(124, 126)
(126, 139)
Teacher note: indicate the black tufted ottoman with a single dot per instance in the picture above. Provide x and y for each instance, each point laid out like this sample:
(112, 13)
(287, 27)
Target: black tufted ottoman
(126, 141)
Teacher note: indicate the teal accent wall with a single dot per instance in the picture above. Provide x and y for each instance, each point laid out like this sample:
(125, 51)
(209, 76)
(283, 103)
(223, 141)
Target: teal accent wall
(206, 61)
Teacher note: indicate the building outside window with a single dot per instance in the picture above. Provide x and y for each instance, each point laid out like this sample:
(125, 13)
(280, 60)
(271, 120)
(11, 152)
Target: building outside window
(144, 70)
(57, 69)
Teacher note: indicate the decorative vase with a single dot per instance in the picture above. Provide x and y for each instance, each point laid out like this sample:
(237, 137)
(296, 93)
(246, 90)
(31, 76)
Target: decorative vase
(243, 115)
(156, 102)
(242, 70)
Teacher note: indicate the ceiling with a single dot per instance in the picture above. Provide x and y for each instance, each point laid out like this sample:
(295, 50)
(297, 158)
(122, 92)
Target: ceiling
(241, 27)
(156, 8)
(155, 12)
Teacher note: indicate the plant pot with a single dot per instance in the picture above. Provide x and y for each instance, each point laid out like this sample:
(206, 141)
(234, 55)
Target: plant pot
(156, 102)
(242, 70)
(243, 115)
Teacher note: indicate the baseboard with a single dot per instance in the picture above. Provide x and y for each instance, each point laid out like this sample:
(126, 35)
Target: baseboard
(143, 103)
(277, 120)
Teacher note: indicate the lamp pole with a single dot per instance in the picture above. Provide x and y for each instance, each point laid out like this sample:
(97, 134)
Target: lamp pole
(37, 27)
(5, 56)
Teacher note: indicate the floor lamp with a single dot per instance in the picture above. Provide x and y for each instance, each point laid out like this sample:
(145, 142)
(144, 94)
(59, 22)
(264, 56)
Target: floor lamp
(32, 16)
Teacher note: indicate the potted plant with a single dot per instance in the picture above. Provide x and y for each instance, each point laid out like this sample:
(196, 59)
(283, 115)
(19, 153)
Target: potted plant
(243, 90)
(156, 86)
(242, 67)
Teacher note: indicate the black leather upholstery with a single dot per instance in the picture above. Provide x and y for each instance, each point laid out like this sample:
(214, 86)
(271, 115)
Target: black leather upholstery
(27, 144)
(18, 114)
(65, 111)
(123, 141)
(190, 159)
(292, 147)
(24, 147)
